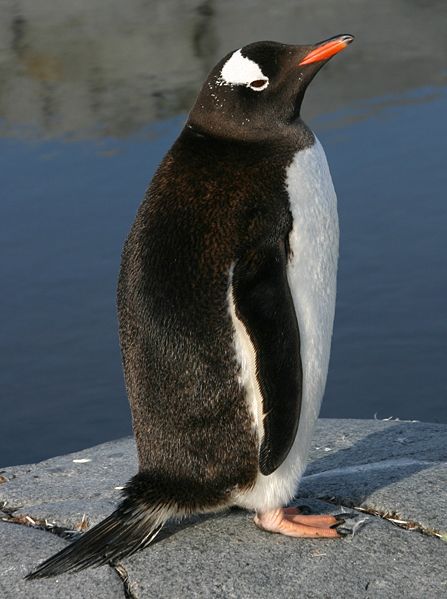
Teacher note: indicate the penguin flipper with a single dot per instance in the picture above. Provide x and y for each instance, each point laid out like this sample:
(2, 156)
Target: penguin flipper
(263, 302)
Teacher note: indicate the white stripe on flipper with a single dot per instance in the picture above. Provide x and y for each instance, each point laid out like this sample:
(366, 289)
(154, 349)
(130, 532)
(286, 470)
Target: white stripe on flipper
(246, 359)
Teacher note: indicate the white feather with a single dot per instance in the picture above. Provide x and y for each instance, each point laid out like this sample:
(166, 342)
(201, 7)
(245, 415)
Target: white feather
(240, 70)
(246, 358)
(311, 274)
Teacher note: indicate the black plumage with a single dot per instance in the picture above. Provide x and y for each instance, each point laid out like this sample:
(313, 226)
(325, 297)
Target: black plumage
(216, 217)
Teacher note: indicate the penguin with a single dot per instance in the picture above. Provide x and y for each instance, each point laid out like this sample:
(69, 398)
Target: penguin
(226, 300)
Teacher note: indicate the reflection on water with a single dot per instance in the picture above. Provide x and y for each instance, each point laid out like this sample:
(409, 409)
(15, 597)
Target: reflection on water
(117, 84)
(77, 69)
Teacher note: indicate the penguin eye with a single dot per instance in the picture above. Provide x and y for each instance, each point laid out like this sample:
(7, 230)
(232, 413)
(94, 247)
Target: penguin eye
(259, 84)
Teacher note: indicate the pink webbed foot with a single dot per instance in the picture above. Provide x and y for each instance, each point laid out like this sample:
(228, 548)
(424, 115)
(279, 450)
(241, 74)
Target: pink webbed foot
(288, 521)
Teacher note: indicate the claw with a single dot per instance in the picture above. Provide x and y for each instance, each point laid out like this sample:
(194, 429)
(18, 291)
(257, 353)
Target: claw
(346, 515)
(338, 523)
(344, 532)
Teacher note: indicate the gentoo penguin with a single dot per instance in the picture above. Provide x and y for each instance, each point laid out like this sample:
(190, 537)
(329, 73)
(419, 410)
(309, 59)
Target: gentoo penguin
(226, 303)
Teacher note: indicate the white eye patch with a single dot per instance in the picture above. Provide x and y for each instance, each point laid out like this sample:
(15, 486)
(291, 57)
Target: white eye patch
(239, 70)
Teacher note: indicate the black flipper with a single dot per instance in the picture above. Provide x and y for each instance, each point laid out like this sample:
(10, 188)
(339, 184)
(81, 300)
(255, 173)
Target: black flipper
(264, 303)
(131, 527)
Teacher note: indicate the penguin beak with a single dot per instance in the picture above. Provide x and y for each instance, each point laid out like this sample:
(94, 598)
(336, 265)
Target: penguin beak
(325, 50)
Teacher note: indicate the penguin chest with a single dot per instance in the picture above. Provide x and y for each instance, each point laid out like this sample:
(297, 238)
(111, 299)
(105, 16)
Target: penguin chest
(311, 275)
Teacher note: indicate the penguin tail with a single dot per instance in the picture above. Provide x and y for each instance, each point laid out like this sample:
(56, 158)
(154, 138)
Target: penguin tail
(134, 524)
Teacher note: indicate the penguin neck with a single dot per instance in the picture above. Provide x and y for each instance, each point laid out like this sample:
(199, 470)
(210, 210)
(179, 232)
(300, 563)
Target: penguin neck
(296, 133)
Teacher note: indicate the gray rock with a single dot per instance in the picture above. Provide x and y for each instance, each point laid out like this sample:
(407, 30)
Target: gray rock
(65, 488)
(393, 467)
(389, 468)
(22, 548)
(226, 556)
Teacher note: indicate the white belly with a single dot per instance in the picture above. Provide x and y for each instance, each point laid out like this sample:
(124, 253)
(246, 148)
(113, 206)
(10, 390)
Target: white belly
(312, 272)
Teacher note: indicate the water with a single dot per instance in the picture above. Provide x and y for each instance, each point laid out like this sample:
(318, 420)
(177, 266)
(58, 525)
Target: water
(90, 102)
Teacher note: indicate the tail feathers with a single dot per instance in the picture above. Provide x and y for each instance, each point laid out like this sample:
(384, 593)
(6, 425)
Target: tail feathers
(131, 527)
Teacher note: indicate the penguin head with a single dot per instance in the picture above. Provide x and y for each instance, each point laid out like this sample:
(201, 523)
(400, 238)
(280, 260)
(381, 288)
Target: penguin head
(257, 91)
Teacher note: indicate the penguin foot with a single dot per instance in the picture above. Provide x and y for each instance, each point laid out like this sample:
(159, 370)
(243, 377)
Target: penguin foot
(290, 522)
(294, 514)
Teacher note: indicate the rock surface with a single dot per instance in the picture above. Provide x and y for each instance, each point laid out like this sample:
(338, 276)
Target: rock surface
(396, 471)
(21, 545)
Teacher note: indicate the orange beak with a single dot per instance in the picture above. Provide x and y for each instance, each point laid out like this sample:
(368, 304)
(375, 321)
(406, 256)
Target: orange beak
(327, 49)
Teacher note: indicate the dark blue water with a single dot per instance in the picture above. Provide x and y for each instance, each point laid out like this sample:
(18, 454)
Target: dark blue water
(86, 113)
(67, 207)
(65, 213)
(390, 340)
